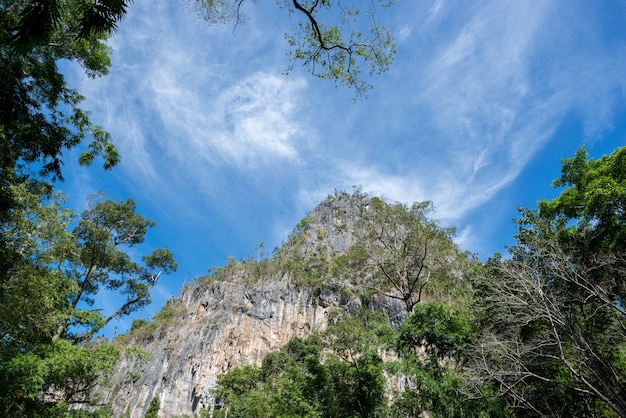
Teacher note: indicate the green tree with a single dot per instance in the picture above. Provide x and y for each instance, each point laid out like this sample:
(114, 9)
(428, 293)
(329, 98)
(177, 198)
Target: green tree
(403, 251)
(334, 49)
(44, 381)
(239, 395)
(47, 297)
(40, 119)
(444, 332)
(555, 339)
(39, 21)
(32, 292)
(98, 259)
(433, 345)
(40, 115)
(595, 198)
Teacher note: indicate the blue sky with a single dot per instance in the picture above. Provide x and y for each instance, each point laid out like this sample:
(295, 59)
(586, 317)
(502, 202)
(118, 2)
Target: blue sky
(223, 151)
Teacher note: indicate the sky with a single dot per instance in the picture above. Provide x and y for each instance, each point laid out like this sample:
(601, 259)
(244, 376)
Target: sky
(224, 151)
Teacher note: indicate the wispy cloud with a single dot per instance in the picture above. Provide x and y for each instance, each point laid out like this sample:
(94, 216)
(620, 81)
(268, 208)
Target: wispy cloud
(173, 110)
(493, 90)
(256, 121)
(490, 93)
(207, 123)
(478, 93)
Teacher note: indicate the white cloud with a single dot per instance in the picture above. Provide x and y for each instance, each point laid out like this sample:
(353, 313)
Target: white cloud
(208, 126)
(178, 106)
(477, 106)
(246, 125)
(257, 120)
(435, 9)
(497, 90)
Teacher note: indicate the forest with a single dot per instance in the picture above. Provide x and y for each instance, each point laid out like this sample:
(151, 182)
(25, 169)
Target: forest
(537, 330)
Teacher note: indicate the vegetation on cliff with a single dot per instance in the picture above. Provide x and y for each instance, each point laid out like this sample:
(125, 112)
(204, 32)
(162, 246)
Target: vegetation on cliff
(49, 297)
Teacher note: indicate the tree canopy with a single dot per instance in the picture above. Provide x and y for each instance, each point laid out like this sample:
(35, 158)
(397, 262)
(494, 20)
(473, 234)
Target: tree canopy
(49, 294)
(553, 340)
(40, 117)
(331, 39)
(404, 251)
(594, 198)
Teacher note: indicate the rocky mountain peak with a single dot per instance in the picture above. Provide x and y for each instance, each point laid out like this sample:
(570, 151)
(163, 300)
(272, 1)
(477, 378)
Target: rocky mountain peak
(238, 315)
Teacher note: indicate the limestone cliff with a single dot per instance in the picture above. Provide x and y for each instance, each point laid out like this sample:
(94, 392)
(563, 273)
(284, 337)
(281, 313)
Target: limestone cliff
(237, 318)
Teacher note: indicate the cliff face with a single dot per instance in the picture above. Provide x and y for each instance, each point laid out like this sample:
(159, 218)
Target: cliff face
(220, 324)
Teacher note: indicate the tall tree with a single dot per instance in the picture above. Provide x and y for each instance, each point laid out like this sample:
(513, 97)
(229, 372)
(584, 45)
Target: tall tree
(433, 344)
(98, 258)
(32, 291)
(40, 116)
(404, 251)
(556, 324)
(595, 198)
(48, 295)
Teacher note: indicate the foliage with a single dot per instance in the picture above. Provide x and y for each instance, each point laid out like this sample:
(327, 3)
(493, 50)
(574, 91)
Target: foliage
(139, 356)
(335, 373)
(47, 294)
(40, 21)
(444, 332)
(309, 268)
(337, 46)
(143, 330)
(33, 380)
(433, 343)
(405, 252)
(135, 352)
(553, 333)
(331, 40)
(32, 293)
(153, 408)
(167, 313)
(98, 259)
(443, 393)
(594, 200)
(40, 116)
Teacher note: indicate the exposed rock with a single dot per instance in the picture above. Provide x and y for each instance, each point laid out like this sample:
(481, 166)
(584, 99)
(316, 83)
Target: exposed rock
(222, 324)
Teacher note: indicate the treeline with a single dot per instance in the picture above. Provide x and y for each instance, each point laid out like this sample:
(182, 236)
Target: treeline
(54, 262)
